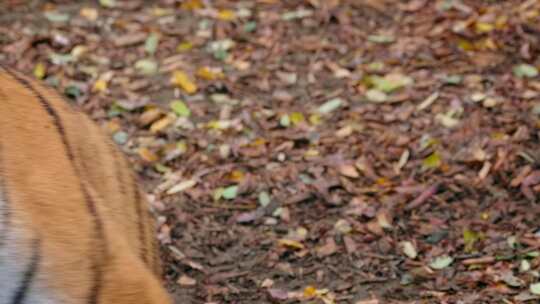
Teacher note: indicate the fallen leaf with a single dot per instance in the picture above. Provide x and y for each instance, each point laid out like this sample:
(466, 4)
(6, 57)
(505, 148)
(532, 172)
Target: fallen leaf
(146, 66)
(184, 280)
(409, 250)
(151, 43)
(382, 39)
(525, 71)
(147, 155)
(441, 262)
(291, 243)
(432, 161)
(161, 124)
(40, 71)
(180, 108)
(349, 171)
(374, 95)
(181, 79)
(182, 186)
(331, 105)
(230, 192)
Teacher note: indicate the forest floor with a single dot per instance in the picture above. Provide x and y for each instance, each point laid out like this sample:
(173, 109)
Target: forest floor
(315, 151)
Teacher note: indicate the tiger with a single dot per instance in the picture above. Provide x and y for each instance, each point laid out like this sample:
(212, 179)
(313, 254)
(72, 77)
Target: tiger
(75, 226)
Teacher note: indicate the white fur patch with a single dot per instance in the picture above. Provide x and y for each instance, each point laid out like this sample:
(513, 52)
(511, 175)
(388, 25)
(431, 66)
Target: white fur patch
(16, 255)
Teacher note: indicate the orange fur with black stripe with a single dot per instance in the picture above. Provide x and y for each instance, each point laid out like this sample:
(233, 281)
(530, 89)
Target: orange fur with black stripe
(74, 226)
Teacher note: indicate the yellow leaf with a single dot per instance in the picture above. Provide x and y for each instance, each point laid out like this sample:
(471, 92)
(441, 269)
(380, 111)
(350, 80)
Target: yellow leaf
(147, 155)
(382, 181)
(258, 142)
(499, 136)
(207, 74)
(226, 15)
(315, 119)
(184, 46)
(296, 118)
(100, 86)
(432, 161)
(149, 116)
(291, 243)
(40, 71)
(465, 45)
(490, 44)
(219, 124)
(182, 80)
(112, 126)
(484, 27)
(311, 153)
(161, 124)
(182, 146)
(310, 292)
(531, 14)
(501, 22)
(192, 5)
(89, 13)
(236, 176)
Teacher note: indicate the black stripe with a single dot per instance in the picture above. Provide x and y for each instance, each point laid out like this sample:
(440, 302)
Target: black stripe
(141, 221)
(118, 159)
(29, 275)
(92, 209)
(156, 256)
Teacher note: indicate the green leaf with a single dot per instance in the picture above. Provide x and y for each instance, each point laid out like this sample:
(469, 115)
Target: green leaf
(453, 79)
(180, 108)
(107, 3)
(285, 121)
(382, 39)
(432, 161)
(264, 198)
(375, 66)
(377, 96)
(151, 43)
(331, 105)
(298, 14)
(441, 262)
(72, 92)
(220, 48)
(469, 239)
(61, 59)
(120, 137)
(390, 82)
(115, 110)
(533, 254)
(525, 71)
(250, 26)
(230, 192)
(146, 66)
(54, 16)
(535, 288)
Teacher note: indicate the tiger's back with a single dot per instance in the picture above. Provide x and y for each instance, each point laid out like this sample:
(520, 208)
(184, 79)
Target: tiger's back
(74, 226)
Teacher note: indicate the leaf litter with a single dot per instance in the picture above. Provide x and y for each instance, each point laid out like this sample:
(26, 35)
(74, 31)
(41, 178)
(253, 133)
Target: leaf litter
(315, 151)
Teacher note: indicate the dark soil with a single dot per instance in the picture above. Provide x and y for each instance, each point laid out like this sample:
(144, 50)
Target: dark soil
(319, 151)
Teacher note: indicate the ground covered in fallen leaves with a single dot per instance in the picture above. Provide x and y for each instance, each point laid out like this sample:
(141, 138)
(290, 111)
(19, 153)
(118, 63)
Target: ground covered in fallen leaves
(315, 151)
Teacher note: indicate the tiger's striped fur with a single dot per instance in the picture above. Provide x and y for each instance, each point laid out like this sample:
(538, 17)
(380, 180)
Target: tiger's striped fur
(74, 226)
